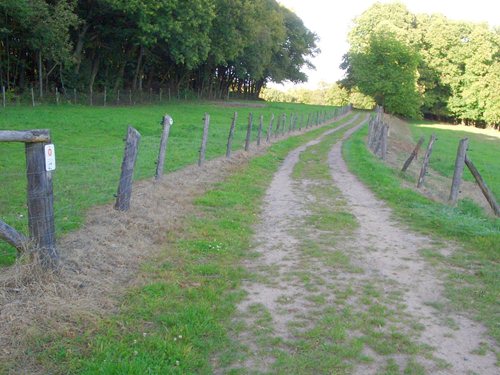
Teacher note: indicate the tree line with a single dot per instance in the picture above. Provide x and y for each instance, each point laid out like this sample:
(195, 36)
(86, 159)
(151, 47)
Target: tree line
(206, 46)
(420, 64)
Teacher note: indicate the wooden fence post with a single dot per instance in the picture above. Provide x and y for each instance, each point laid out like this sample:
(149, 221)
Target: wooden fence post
(3, 96)
(427, 157)
(459, 169)
(161, 92)
(41, 203)
(203, 148)
(231, 135)
(276, 132)
(91, 97)
(130, 97)
(259, 132)
(482, 185)
(129, 158)
(57, 96)
(118, 97)
(249, 132)
(105, 97)
(32, 97)
(383, 147)
(167, 122)
(74, 96)
(270, 129)
(413, 154)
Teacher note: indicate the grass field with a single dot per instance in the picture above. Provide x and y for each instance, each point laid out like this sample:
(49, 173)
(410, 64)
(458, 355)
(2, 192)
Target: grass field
(89, 147)
(484, 150)
(472, 270)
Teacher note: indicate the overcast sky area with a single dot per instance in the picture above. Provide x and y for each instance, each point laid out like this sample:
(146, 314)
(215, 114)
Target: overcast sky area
(331, 21)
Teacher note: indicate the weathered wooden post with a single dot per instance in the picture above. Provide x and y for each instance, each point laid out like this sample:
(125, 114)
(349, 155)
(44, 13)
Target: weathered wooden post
(118, 97)
(283, 124)
(459, 169)
(276, 133)
(203, 148)
(383, 147)
(259, 132)
(427, 157)
(130, 97)
(301, 123)
(249, 132)
(129, 158)
(161, 93)
(74, 96)
(3, 96)
(91, 96)
(32, 97)
(270, 129)
(57, 96)
(169, 95)
(150, 95)
(41, 199)
(231, 135)
(105, 97)
(482, 185)
(167, 122)
(413, 154)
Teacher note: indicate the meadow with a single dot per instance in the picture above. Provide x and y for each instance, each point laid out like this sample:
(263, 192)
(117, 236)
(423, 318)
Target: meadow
(89, 148)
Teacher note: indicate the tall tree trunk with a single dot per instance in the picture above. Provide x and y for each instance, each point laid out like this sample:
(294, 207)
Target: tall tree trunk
(95, 69)
(138, 68)
(79, 47)
(40, 74)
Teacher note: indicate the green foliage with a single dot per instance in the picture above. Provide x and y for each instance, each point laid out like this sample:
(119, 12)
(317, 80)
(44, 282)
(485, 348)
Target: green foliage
(457, 64)
(208, 46)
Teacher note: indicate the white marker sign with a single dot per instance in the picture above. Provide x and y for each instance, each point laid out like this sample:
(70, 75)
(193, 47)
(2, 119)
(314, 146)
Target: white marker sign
(50, 158)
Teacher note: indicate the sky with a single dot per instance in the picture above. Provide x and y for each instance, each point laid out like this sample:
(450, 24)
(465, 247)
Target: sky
(331, 21)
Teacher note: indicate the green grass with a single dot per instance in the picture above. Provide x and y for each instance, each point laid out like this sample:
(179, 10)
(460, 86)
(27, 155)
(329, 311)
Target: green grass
(473, 272)
(483, 150)
(179, 318)
(89, 147)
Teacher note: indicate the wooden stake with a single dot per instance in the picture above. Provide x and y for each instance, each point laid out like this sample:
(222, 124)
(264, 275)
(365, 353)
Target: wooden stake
(3, 96)
(482, 185)
(270, 129)
(259, 132)
(105, 96)
(41, 204)
(203, 148)
(427, 157)
(231, 135)
(249, 132)
(413, 154)
(129, 158)
(167, 122)
(459, 169)
(32, 96)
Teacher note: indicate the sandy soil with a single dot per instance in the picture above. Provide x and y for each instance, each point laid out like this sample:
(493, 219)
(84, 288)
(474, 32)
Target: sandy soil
(386, 251)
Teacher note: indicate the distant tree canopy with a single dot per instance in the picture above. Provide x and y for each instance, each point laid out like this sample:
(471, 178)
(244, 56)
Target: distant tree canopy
(210, 46)
(425, 64)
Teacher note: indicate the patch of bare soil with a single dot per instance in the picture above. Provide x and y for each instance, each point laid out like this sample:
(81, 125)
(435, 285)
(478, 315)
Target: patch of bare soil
(99, 262)
(436, 186)
(386, 249)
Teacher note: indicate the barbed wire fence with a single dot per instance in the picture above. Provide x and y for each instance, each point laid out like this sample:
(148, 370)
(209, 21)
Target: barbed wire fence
(89, 176)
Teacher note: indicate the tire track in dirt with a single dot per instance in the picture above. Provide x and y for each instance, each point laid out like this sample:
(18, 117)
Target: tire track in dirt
(278, 254)
(384, 248)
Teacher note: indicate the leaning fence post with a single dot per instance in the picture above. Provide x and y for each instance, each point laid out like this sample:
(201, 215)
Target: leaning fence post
(383, 147)
(231, 135)
(259, 132)
(166, 123)
(270, 129)
(482, 185)
(41, 201)
(129, 158)
(203, 148)
(459, 169)
(249, 132)
(413, 154)
(427, 157)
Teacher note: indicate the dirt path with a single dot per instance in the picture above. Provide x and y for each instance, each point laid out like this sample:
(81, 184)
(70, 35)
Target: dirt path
(307, 274)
